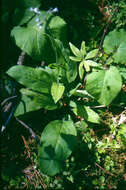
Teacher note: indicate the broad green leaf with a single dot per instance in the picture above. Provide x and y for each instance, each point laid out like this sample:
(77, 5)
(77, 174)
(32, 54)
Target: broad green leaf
(104, 85)
(75, 50)
(35, 38)
(115, 42)
(87, 113)
(56, 144)
(71, 71)
(58, 28)
(34, 78)
(76, 59)
(57, 91)
(83, 48)
(35, 42)
(91, 54)
(81, 70)
(53, 25)
(32, 101)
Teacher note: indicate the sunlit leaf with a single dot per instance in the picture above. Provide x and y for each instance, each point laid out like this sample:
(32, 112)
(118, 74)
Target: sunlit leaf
(75, 50)
(83, 48)
(104, 85)
(81, 70)
(115, 43)
(91, 54)
(87, 113)
(57, 91)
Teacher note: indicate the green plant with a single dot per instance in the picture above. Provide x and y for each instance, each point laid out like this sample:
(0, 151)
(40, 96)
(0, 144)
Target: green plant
(57, 86)
(68, 125)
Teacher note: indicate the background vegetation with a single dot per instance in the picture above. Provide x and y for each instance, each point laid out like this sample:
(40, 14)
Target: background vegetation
(98, 158)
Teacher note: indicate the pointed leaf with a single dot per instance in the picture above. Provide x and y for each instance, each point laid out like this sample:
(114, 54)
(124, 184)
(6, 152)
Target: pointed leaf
(71, 92)
(76, 59)
(93, 117)
(91, 63)
(75, 50)
(87, 113)
(91, 54)
(86, 66)
(56, 144)
(82, 93)
(104, 85)
(81, 70)
(57, 91)
(83, 48)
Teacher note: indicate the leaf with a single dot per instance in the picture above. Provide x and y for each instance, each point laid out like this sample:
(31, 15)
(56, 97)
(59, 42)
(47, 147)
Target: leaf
(104, 85)
(91, 54)
(86, 66)
(22, 17)
(61, 53)
(93, 117)
(36, 37)
(34, 78)
(81, 126)
(122, 71)
(57, 91)
(87, 113)
(120, 56)
(58, 28)
(71, 71)
(75, 50)
(35, 42)
(81, 70)
(82, 93)
(83, 48)
(32, 101)
(115, 42)
(76, 59)
(71, 92)
(56, 144)
(27, 16)
(91, 63)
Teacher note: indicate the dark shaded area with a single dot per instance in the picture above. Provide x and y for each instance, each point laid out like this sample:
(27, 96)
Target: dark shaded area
(84, 23)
